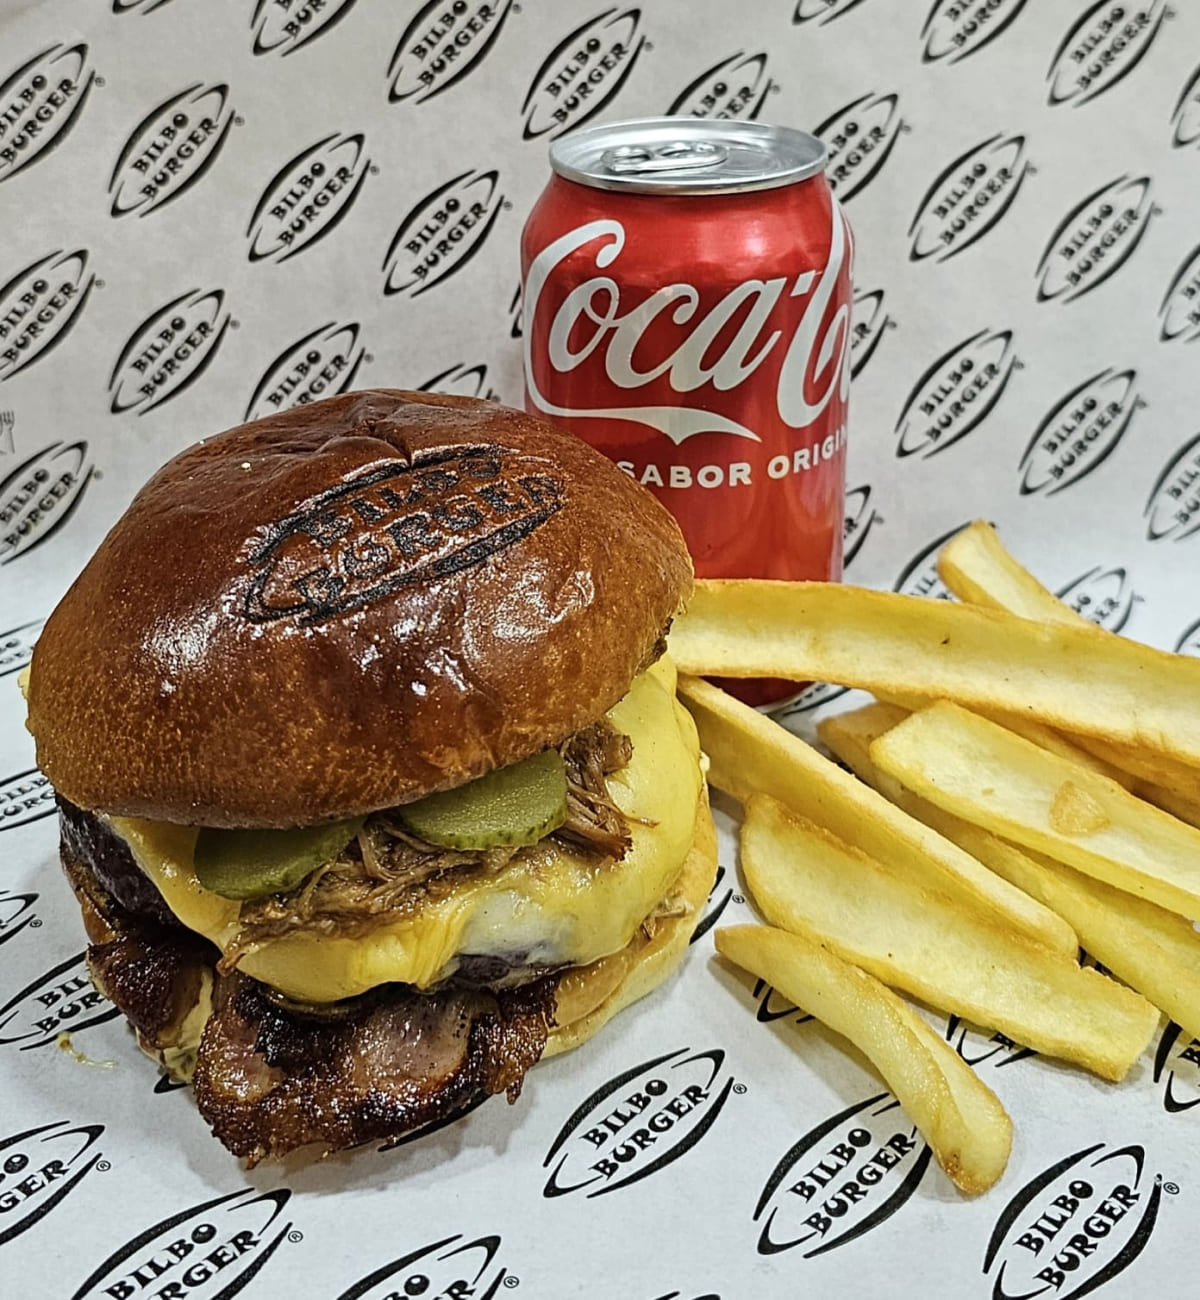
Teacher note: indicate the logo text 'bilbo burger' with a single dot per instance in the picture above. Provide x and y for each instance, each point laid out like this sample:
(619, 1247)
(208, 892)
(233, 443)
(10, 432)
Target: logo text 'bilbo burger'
(16, 645)
(398, 525)
(1103, 596)
(1180, 310)
(441, 1270)
(1177, 1068)
(1103, 45)
(956, 29)
(737, 87)
(283, 26)
(320, 364)
(169, 350)
(25, 797)
(40, 1167)
(582, 73)
(859, 138)
(1173, 510)
(62, 999)
(39, 496)
(1095, 239)
(38, 103)
(39, 305)
(17, 914)
(444, 41)
(968, 198)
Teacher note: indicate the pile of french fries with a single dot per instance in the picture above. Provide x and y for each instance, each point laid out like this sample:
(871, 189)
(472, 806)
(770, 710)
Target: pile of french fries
(1025, 784)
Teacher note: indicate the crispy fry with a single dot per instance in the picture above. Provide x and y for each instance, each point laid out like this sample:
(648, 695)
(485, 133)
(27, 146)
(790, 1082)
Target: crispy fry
(989, 776)
(749, 753)
(961, 1119)
(955, 958)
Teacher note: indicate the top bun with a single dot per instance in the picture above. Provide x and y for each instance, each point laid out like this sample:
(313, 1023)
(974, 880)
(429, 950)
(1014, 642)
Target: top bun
(347, 606)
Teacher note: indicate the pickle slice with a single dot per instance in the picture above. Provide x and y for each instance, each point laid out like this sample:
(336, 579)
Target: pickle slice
(254, 863)
(511, 806)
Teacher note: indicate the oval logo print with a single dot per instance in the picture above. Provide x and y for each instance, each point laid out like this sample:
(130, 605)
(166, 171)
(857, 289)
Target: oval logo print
(133, 6)
(16, 912)
(1177, 1068)
(62, 999)
(968, 198)
(980, 1047)
(461, 381)
(208, 1252)
(955, 394)
(41, 1166)
(1185, 120)
(442, 233)
(1180, 310)
(956, 29)
(582, 73)
(1074, 1227)
(1080, 433)
(168, 351)
(38, 306)
(170, 149)
(1173, 510)
(846, 1177)
(812, 697)
(1189, 642)
(1095, 239)
(868, 322)
(860, 515)
(38, 497)
(859, 139)
(321, 364)
(772, 1006)
(736, 87)
(441, 45)
(1103, 596)
(1103, 45)
(919, 577)
(307, 198)
(825, 11)
(450, 1267)
(638, 1123)
(283, 26)
(26, 797)
(39, 101)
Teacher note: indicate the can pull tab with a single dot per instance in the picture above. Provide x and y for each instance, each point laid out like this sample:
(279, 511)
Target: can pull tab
(675, 156)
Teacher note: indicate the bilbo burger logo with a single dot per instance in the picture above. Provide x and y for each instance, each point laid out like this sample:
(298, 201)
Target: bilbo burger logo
(825, 11)
(956, 29)
(1189, 641)
(1180, 310)
(981, 1047)
(169, 350)
(919, 577)
(1185, 120)
(16, 914)
(847, 1176)
(582, 73)
(42, 1166)
(24, 798)
(40, 495)
(956, 394)
(1095, 239)
(1177, 1068)
(320, 364)
(868, 322)
(968, 198)
(736, 87)
(170, 149)
(442, 233)
(38, 307)
(1173, 510)
(1104, 44)
(63, 999)
(1103, 596)
(859, 138)
(639, 1122)
(461, 381)
(16, 645)
(283, 26)
(1080, 432)
(308, 197)
(813, 697)
(442, 44)
(439, 1271)
(1075, 1226)
(38, 103)
(860, 516)
(207, 1252)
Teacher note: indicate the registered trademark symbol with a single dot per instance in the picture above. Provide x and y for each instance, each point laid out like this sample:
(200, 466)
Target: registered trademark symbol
(773, 88)
(737, 898)
(516, 9)
(295, 1235)
(100, 82)
(648, 46)
(1171, 1189)
(1032, 170)
(103, 1166)
(507, 205)
(905, 129)
(36, 923)
(739, 1088)
(368, 357)
(373, 169)
(100, 284)
(239, 120)
(235, 324)
(1156, 210)
(1018, 364)
(511, 1280)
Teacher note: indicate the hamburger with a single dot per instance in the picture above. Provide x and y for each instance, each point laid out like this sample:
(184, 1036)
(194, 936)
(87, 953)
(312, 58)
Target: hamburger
(373, 787)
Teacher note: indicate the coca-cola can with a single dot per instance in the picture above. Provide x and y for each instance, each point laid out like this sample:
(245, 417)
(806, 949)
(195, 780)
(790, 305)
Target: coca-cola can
(686, 310)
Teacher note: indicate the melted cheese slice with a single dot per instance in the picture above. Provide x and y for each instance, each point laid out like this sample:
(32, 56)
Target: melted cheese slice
(567, 909)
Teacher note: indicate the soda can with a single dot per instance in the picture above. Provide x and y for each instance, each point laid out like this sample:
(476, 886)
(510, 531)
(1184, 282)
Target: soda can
(686, 288)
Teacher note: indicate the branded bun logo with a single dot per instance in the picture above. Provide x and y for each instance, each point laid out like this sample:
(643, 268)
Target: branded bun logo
(968, 198)
(823, 10)
(956, 394)
(168, 351)
(1080, 433)
(1095, 239)
(582, 73)
(956, 29)
(1177, 1068)
(1076, 1226)
(442, 233)
(446, 1268)
(441, 45)
(982, 1047)
(847, 1176)
(42, 1166)
(170, 149)
(638, 1123)
(320, 364)
(397, 525)
(1103, 596)
(26, 797)
(62, 1000)
(39, 102)
(1189, 641)
(1173, 510)
(1104, 44)
(39, 305)
(207, 1252)
(16, 913)
(919, 577)
(308, 197)
(859, 138)
(859, 517)
(868, 321)
(1180, 310)
(38, 497)
(1185, 120)
(737, 87)
(283, 26)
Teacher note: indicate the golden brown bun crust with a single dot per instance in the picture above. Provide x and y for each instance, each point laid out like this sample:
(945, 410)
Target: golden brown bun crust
(346, 606)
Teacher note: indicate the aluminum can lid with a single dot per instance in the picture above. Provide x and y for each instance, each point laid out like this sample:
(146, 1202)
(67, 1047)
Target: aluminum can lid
(686, 155)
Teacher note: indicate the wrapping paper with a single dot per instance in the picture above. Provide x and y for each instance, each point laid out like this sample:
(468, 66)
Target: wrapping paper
(210, 210)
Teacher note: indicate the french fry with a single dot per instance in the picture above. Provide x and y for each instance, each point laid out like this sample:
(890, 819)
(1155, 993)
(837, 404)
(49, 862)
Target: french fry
(1178, 805)
(963, 1121)
(749, 753)
(957, 959)
(1153, 950)
(987, 775)
(1074, 678)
